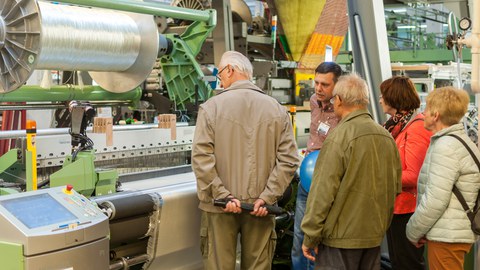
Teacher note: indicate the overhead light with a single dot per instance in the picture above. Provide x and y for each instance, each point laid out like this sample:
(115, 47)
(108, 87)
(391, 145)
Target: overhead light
(406, 27)
(399, 10)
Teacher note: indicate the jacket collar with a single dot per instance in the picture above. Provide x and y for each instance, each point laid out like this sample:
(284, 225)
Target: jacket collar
(356, 114)
(242, 84)
(451, 129)
(415, 117)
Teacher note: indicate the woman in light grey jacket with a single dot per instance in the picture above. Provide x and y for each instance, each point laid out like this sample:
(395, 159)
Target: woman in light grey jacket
(439, 219)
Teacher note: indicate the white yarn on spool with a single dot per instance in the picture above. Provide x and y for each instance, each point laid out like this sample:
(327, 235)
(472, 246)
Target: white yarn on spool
(118, 49)
(75, 38)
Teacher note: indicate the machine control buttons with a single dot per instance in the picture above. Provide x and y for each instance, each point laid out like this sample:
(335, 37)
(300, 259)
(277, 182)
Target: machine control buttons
(87, 207)
(68, 190)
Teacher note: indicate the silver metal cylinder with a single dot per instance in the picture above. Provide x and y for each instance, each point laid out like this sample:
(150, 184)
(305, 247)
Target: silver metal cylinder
(118, 49)
(87, 39)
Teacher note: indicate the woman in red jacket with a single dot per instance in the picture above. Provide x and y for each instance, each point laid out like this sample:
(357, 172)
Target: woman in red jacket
(400, 100)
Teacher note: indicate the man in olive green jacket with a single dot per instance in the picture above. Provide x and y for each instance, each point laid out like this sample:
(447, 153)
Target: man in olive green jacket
(244, 150)
(356, 179)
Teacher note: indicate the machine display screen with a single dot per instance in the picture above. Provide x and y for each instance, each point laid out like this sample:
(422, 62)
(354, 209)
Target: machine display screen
(38, 210)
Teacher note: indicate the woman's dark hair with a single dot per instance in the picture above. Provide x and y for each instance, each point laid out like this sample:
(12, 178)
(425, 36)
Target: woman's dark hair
(399, 93)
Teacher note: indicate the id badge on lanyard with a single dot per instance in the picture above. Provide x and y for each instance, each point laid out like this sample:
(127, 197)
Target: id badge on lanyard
(323, 128)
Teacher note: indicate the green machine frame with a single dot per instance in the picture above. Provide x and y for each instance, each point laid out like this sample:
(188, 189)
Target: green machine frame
(181, 72)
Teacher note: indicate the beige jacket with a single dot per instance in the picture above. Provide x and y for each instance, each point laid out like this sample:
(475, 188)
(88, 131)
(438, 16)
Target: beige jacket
(439, 215)
(243, 146)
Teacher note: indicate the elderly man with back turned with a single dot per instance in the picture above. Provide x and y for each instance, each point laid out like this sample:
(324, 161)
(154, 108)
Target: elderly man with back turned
(243, 150)
(356, 179)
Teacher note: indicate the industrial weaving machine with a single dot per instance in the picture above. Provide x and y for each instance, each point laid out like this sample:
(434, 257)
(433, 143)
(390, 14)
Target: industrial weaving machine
(75, 199)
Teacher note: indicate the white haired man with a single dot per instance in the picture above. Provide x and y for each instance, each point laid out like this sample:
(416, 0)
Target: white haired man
(355, 182)
(243, 150)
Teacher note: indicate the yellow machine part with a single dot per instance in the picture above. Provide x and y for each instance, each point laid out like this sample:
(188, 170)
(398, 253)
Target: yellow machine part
(302, 76)
(315, 53)
(298, 20)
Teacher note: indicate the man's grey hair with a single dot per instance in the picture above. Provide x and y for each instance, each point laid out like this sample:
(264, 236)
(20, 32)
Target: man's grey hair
(352, 90)
(238, 61)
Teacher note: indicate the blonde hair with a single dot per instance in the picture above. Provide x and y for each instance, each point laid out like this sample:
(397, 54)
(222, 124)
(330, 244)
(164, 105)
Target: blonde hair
(238, 61)
(451, 104)
(352, 90)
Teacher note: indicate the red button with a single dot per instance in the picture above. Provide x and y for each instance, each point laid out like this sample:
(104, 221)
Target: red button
(69, 187)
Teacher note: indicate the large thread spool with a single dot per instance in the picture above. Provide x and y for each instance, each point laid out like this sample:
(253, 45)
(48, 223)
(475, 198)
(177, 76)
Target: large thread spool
(118, 49)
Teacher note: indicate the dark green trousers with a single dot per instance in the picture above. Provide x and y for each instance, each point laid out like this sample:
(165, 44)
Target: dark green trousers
(219, 234)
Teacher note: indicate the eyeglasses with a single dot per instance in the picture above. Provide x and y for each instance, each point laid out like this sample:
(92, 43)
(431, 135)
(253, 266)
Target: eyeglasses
(218, 74)
(332, 100)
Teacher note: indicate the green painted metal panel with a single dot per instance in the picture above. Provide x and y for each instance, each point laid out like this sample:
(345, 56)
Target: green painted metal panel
(7, 191)
(11, 256)
(428, 56)
(63, 93)
(196, 34)
(80, 173)
(181, 72)
(8, 159)
(107, 182)
(416, 57)
(344, 59)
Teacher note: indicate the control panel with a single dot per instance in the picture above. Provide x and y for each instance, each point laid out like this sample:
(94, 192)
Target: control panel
(50, 219)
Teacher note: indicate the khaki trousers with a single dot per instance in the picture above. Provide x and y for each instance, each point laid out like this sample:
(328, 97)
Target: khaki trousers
(446, 256)
(219, 234)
